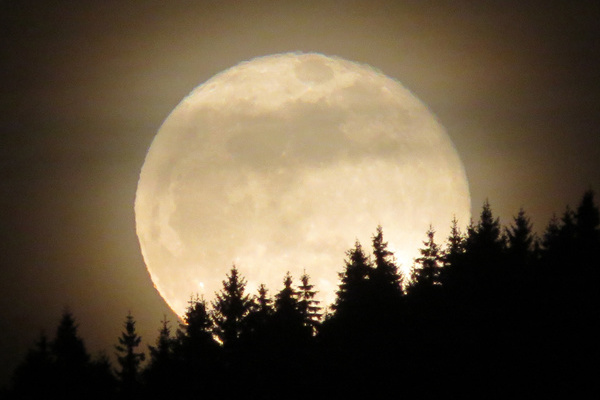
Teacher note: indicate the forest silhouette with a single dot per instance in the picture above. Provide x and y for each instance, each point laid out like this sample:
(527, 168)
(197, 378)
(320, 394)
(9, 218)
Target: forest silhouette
(488, 312)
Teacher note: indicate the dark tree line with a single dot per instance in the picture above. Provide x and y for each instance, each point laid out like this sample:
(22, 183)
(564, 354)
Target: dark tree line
(493, 311)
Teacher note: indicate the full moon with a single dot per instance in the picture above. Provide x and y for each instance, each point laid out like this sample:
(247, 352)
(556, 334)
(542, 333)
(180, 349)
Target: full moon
(280, 164)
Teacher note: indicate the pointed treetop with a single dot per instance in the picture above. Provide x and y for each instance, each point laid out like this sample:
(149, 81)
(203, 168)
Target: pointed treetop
(520, 236)
(587, 215)
(127, 356)
(455, 243)
(308, 306)
(230, 307)
(288, 296)
(486, 236)
(67, 346)
(385, 275)
(427, 268)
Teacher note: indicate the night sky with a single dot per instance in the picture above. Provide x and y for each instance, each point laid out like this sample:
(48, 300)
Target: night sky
(85, 87)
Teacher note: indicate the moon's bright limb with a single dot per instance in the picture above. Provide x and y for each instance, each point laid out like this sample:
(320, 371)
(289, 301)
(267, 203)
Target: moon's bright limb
(279, 164)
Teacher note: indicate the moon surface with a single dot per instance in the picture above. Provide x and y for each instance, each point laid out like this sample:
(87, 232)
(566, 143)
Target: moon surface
(280, 164)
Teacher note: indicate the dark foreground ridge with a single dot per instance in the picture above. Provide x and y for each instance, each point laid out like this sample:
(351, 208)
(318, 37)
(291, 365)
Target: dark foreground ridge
(495, 311)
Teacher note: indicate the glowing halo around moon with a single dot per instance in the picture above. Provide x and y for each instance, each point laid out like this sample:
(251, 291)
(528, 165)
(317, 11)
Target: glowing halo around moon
(279, 164)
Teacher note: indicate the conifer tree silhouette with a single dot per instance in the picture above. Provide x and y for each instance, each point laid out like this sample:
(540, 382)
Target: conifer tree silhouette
(289, 340)
(354, 286)
(520, 240)
(384, 275)
(195, 334)
(35, 378)
(195, 352)
(288, 317)
(308, 306)
(455, 243)
(584, 297)
(426, 272)
(162, 353)
(586, 230)
(68, 348)
(129, 358)
(485, 239)
(230, 308)
(453, 257)
(484, 250)
(159, 373)
(72, 360)
(264, 304)
(498, 312)
(259, 317)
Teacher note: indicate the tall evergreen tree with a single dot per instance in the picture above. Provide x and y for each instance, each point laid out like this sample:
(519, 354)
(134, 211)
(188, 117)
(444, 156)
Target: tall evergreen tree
(230, 308)
(256, 332)
(567, 235)
(354, 282)
(72, 361)
(286, 301)
(385, 275)
(196, 353)
(453, 256)
(68, 348)
(428, 265)
(587, 231)
(308, 306)
(290, 336)
(551, 234)
(264, 304)
(34, 378)
(159, 373)
(162, 353)
(455, 243)
(129, 358)
(559, 243)
(195, 334)
(484, 258)
(485, 239)
(520, 240)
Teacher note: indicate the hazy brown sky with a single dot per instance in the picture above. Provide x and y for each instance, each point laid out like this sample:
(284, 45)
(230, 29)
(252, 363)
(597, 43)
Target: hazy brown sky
(85, 86)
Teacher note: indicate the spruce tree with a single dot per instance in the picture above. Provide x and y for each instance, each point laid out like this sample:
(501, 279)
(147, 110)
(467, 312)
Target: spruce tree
(567, 236)
(485, 240)
(455, 244)
(286, 302)
(263, 301)
(68, 348)
(34, 378)
(520, 240)
(129, 358)
(287, 350)
(194, 336)
(551, 235)
(71, 360)
(427, 269)
(308, 306)
(162, 353)
(195, 353)
(453, 256)
(484, 257)
(354, 282)
(385, 275)
(159, 373)
(587, 222)
(261, 311)
(230, 308)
